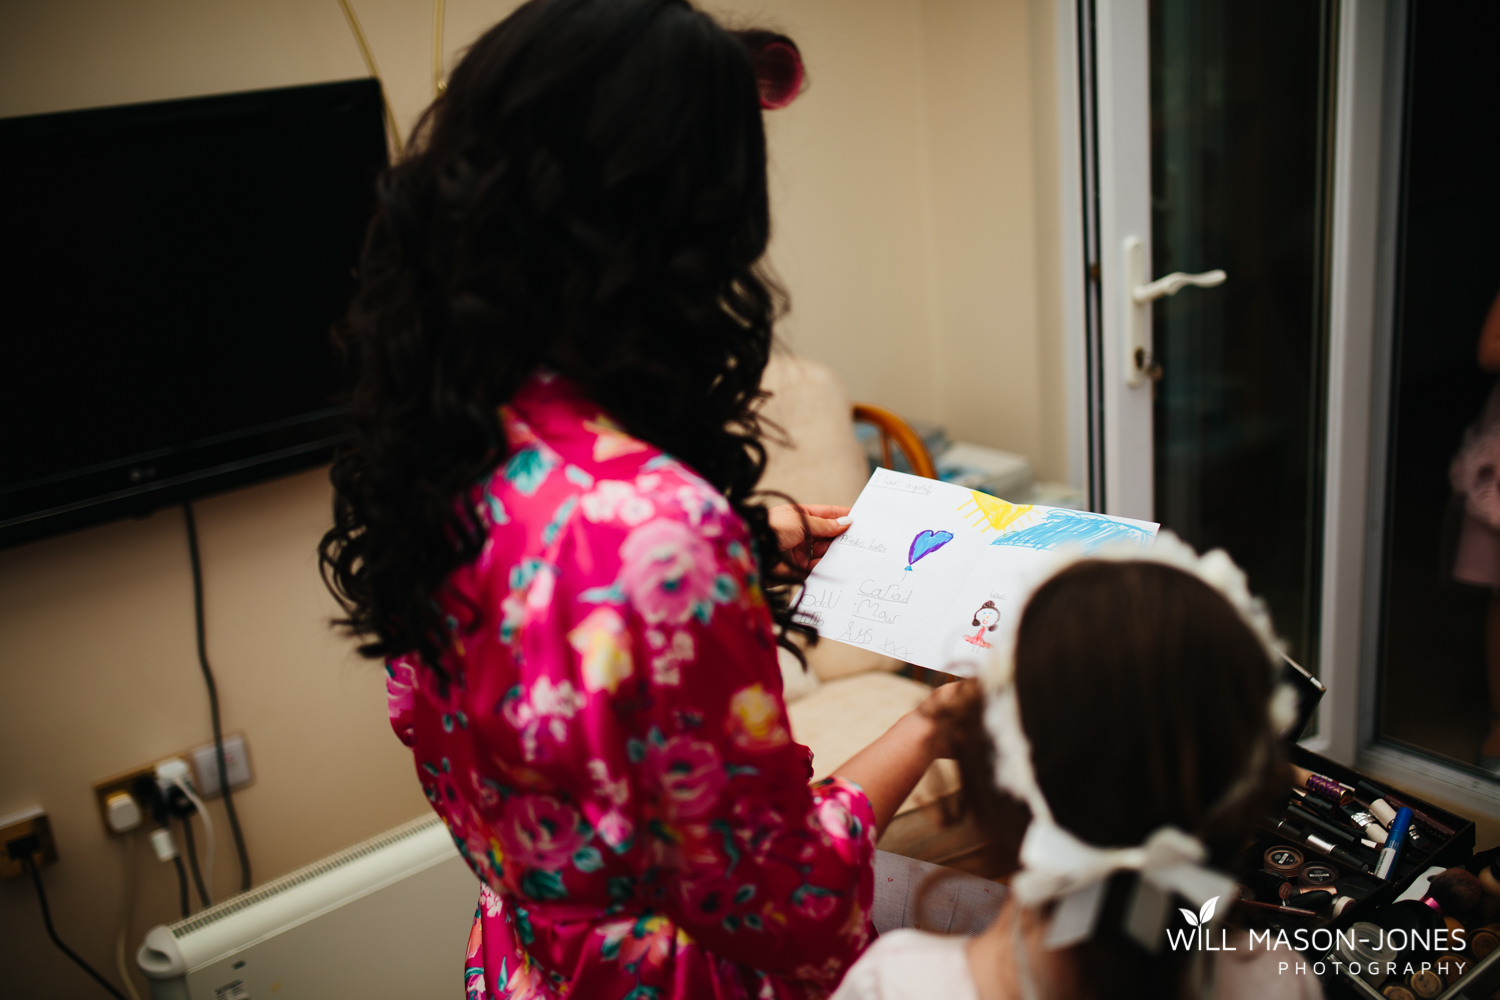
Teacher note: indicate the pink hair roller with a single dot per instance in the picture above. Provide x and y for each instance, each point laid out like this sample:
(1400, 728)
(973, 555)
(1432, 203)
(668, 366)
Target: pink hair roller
(777, 63)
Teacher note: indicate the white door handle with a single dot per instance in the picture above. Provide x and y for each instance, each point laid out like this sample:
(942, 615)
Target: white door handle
(1174, 283)
(1140, 365)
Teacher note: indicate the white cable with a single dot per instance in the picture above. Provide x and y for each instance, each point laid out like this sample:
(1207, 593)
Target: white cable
(208, 834)
(126, 907)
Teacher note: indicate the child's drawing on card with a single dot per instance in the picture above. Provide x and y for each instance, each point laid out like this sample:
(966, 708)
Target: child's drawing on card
(987, 619)
(968, 554)
(1075, 527)
(925, 544)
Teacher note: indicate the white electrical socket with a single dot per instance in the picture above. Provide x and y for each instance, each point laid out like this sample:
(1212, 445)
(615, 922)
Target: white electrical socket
(236, 766)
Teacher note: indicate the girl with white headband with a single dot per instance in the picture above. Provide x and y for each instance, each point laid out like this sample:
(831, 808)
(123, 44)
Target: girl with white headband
(1123, 746)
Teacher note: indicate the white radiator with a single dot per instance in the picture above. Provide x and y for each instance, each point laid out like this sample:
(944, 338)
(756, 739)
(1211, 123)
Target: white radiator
(388, 917)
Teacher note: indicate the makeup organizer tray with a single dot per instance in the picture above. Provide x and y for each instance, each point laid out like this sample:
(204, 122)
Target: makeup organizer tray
(1318, 841)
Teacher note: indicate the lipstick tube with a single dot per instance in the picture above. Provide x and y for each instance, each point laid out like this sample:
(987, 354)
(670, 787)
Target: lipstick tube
(1321, 786)
(1365, 821)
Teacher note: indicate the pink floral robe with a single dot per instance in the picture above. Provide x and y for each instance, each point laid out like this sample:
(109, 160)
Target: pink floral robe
(613, 758)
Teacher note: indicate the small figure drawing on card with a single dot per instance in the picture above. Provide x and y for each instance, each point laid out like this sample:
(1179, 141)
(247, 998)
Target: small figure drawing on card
(987, 618)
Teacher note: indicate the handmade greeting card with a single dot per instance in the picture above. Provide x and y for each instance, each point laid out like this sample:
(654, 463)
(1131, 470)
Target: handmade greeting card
(928, 570)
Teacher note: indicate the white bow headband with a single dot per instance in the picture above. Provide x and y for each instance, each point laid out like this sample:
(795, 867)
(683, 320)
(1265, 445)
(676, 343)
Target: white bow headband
(1056, 865)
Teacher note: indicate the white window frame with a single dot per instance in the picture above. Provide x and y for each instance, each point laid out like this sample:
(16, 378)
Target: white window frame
(1122, 55)
(1369, 123)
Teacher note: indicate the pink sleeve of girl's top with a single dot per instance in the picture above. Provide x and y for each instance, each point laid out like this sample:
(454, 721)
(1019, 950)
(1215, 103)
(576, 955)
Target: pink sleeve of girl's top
(695, 754)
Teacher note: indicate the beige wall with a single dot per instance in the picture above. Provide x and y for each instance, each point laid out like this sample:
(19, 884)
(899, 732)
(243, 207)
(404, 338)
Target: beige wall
(916, 212)
(991, 150)
(914, 232)
(100, 675)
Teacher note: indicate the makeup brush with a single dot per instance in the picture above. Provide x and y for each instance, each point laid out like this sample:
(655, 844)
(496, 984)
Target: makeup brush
(1456, 892)
(1489, 881)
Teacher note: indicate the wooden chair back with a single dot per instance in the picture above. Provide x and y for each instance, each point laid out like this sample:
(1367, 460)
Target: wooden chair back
(893, 428)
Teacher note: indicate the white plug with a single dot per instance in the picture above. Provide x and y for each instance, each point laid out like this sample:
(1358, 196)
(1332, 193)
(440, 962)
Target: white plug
(173, 773)
(163, 844)
(122, 812)
(169, 772)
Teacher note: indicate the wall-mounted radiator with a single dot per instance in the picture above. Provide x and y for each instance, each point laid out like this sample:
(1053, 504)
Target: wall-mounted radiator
(386, 918)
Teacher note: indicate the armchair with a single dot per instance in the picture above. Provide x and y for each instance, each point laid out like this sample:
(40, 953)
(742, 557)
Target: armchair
(847, 696)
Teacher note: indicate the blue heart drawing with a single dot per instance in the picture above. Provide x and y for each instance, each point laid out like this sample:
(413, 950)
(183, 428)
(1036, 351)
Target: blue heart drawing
(926, 542)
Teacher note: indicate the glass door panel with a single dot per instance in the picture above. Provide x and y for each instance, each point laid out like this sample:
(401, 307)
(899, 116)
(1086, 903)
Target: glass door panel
(1240, 136)
(1440, 685)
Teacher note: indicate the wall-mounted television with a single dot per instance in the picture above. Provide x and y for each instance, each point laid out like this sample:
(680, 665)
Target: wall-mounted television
(169, 273)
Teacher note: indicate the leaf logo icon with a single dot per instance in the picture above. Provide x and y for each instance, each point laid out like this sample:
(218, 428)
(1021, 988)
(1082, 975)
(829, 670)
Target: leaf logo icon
(1203, 916)
(1207, 913)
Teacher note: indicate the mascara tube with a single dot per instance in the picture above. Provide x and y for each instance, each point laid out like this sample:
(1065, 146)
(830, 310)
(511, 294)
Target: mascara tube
(1391, 852)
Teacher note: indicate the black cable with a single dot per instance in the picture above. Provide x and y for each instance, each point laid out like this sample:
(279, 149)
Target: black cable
(213, 697)
(183, 903)
(192, 856)
(41, 895)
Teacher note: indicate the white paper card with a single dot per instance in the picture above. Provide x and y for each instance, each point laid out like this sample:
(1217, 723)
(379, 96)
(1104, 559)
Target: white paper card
(927, 569)
(953, 902)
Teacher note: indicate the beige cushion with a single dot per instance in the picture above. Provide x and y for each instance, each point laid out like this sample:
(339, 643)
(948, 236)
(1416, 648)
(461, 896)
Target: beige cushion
(820, 461)
(842, 717)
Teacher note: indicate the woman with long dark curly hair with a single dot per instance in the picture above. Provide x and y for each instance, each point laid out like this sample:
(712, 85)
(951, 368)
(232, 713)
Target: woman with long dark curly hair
(545, 523)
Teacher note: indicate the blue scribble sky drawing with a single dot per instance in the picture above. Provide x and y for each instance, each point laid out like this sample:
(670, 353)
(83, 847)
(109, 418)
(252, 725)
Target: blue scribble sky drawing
(1074, 527)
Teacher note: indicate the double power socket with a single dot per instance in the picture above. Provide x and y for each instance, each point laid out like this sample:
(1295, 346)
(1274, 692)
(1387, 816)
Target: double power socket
(119, 807)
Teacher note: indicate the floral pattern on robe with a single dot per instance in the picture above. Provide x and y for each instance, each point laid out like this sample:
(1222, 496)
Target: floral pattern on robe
(612, 756)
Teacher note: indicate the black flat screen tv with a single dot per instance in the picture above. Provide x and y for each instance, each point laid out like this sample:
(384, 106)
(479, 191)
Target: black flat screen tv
(169, 274)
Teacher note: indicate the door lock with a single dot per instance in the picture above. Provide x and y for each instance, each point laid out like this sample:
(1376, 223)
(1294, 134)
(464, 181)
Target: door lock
(1150, 369)
(1140, 364)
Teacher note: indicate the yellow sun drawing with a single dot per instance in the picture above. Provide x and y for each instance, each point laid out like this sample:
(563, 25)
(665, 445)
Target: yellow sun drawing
(998, 513)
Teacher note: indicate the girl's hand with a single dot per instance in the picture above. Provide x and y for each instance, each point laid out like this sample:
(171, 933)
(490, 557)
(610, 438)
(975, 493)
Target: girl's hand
(943, 708)
(804, 531)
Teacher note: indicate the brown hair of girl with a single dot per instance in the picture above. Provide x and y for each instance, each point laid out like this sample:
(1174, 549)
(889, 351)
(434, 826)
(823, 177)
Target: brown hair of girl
(1144, 697)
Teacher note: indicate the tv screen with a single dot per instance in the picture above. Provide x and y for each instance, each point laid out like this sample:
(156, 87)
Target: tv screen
(169, 273)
